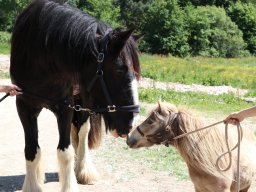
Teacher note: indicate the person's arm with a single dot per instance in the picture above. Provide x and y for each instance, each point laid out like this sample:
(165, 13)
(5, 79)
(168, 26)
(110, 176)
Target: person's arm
(239, 116)
(12, 89)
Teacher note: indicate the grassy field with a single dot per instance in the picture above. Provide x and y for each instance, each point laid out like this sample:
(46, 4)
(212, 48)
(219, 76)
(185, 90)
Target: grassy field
(237, 72)
(224, 103)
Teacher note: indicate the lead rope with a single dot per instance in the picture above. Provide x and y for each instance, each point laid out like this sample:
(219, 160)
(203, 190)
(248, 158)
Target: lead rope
(229, 151)
(6, 95)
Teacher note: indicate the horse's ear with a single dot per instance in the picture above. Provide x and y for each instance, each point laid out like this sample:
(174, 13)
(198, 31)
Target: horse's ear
(119, 39)
(137, 37)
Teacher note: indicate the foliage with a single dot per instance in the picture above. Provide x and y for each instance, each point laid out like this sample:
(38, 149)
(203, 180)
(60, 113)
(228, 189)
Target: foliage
(177, 27)
(212, 33)
(4, 37)
(104, 10)
(220, 3)
(9, 10)
(244, 15)
(133, 12)
(165, 30)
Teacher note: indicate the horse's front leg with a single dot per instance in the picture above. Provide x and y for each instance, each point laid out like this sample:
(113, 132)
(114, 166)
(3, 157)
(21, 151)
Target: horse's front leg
(28, 114)
(65, 151)
(84, 168)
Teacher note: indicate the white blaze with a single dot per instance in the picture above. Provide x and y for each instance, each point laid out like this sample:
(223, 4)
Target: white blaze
(134, 87)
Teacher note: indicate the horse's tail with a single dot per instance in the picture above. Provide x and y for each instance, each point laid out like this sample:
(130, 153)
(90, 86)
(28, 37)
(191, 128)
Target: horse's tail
(81, 124)
(95, 134)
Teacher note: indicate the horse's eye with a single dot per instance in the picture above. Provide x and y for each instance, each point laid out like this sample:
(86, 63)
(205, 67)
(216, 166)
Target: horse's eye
(120, 72)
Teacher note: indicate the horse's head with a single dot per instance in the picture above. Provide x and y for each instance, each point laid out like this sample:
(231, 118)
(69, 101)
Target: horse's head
(159, 128)
(114, 85)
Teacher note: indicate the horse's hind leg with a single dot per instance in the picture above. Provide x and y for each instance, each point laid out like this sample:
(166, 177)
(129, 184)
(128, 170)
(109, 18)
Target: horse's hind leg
(34, 176)
(65, 151)
(84, 168)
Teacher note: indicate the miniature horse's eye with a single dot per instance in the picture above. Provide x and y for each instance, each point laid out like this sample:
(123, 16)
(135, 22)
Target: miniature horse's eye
(150, 121)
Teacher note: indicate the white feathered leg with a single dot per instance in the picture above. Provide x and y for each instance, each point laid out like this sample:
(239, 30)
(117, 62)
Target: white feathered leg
(66, 171)
(34, 178)
(84, 168)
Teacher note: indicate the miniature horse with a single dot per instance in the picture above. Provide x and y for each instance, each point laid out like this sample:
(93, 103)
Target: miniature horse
(55, 48)
(199, 150)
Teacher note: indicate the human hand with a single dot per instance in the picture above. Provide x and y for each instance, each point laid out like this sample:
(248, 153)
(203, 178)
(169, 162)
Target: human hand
(234, 118)
(12, 89)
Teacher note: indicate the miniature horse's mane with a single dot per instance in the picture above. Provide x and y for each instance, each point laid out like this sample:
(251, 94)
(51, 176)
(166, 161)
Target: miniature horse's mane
(202, 148)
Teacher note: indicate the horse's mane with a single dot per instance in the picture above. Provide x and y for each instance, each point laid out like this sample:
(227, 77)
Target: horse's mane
(65, 34)
(201, 149)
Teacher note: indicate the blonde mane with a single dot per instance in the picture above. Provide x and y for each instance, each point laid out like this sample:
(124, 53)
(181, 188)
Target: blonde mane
(199, 150)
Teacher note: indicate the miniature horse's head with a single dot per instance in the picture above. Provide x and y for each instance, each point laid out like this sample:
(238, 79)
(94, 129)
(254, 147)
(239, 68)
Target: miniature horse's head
(161, 126)
(115, 87)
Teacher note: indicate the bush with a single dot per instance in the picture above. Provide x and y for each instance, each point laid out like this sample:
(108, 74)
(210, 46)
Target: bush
(212, 33)
(244, 15)
(9, 10)
(4, 37)
(164, 29)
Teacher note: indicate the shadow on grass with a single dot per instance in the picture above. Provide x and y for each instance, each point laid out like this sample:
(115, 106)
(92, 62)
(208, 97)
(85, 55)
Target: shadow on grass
(14, 182)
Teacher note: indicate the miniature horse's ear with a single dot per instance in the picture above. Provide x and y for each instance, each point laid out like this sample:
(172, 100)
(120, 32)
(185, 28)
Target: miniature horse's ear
(119, 38)
(162, 108)
(159, 106)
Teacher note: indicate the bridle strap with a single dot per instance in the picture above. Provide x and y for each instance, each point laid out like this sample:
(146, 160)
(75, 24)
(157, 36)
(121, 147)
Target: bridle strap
(140, 132)
(113, 108)
(99, 76)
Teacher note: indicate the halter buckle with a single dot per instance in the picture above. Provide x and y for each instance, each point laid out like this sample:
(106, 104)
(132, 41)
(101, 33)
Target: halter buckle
(111, 108)
(100, 57)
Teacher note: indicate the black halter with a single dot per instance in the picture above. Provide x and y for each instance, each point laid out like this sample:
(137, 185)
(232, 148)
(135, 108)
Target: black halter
(99, 76)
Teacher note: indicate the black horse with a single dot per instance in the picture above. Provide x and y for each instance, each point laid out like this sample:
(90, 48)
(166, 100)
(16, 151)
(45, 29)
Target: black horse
(54, 48)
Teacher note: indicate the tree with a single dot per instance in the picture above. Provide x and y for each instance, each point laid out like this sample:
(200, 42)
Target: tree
(165, 30)
(133, 12)
(212, 33)
(244, 15)
(9, 10)
(104, 10)
(219, 3)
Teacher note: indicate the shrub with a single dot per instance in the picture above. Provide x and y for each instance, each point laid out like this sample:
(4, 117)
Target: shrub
(244, 15)
(212, 33)
(4, 37)
(164, 29)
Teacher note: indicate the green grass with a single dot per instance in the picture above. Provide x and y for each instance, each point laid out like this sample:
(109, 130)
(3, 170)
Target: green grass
(5, 49)
(5, 42)
(4, 75)
(237, 72)
(224, 103)
(160, 158)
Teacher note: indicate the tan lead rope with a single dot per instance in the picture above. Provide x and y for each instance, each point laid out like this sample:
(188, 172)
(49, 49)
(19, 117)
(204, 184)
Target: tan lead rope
(229, 151)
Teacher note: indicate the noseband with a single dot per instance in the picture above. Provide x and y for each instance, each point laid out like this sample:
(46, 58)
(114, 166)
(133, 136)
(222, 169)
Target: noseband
(111, 107)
